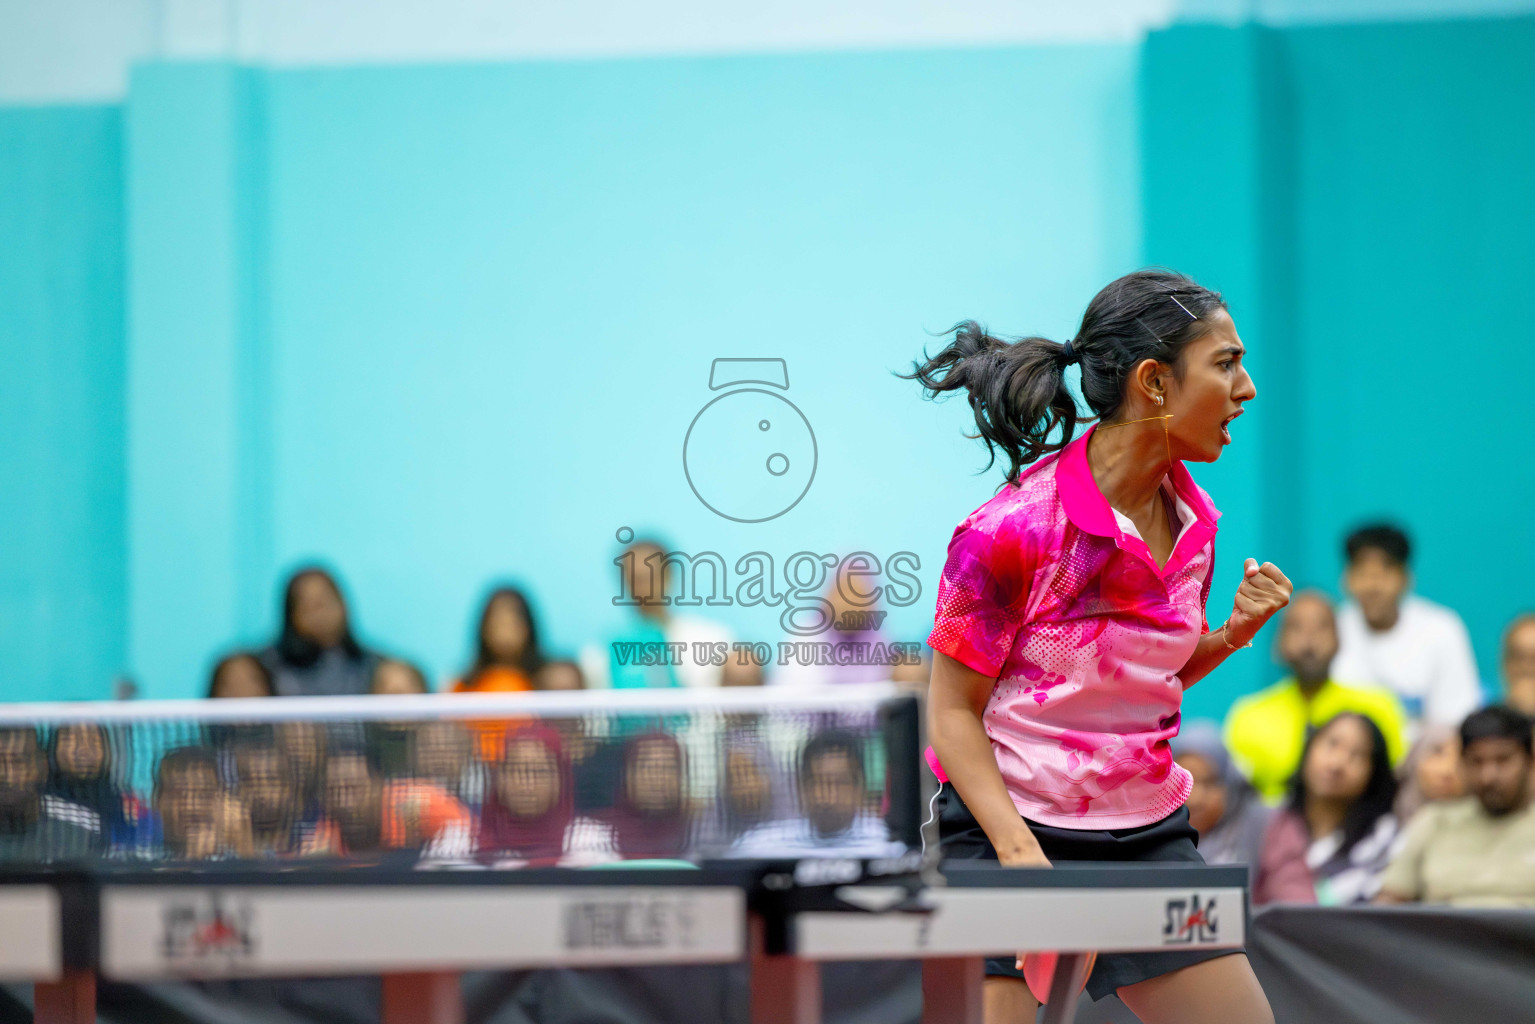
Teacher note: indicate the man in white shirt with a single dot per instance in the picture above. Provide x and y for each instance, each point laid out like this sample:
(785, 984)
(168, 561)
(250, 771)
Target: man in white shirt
(1416, 648)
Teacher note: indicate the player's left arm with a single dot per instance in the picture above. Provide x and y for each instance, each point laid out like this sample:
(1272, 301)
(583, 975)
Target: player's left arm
(1264, 590)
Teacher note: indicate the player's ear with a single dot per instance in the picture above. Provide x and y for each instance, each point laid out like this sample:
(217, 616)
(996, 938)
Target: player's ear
(1148, 379)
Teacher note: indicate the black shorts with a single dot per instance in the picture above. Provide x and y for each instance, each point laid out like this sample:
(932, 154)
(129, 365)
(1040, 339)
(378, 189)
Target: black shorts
(1172, 839)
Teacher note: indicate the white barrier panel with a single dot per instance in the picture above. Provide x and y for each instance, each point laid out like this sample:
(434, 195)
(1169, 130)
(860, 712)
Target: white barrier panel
(31, 944)
(238, 931)
(980, 922)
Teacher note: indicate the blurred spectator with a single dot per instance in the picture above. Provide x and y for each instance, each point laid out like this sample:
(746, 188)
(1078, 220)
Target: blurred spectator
(80, 771)
(393, 676)
(1431, 772)
(834, 813)
(852, 614)
(264, 783)
(1519, 664)
(651, 815)
(1417, 649)
(1266, 731)
(1480, 850)
(198, 818)
(35, 827)
(364, 814)
(442, 753)
(316, 654)
(648, 578)
(1340, 802)
(559, 674)
(748, 794)
(240, 675)
(530, 814)
(1223, 807)
(741, 669)
(507, 657)
(303, 745)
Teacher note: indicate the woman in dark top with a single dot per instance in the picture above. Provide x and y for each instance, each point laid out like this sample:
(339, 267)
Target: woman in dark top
(316, 654)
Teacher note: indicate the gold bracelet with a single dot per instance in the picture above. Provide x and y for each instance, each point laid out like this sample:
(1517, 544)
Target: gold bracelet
(1229, 644)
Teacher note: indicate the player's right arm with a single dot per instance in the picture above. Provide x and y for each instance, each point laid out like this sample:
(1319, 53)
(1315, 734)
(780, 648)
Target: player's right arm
(956, 701)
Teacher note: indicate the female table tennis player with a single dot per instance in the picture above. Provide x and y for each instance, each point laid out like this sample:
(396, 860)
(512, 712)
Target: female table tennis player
(1071, 616)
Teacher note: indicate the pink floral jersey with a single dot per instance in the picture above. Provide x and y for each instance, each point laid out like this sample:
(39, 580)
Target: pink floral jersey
(1051, 591)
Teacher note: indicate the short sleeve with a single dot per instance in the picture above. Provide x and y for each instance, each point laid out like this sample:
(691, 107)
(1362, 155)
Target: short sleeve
(981, 594)
(1404, 876)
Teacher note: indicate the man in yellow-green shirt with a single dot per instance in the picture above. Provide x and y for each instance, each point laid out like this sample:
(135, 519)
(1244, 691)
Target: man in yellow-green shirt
(1266, 731)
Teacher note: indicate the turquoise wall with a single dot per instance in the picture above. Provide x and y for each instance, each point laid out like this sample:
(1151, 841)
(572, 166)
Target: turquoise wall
(459, 318)
(62, 543)
(441, 325)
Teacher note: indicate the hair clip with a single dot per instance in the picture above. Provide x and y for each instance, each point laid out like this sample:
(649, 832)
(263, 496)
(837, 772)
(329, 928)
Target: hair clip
(1183, 307)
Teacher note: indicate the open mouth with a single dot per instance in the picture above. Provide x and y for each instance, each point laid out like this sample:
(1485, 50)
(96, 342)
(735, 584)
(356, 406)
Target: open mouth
(1226, 426)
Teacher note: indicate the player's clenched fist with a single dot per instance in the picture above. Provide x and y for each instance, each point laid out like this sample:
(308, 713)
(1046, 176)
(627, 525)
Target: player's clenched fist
(1263, 592)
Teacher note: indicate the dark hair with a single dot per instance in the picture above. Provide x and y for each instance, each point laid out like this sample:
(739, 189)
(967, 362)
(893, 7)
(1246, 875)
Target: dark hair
(1497, 722)
(300, 651)
(832, 741)
(1018, 390)
(1383, 537)
(24, 730)
(229, 659)
(1379, 791)
(532, 658)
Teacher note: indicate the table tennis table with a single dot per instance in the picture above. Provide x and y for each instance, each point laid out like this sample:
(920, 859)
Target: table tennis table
(65, 927)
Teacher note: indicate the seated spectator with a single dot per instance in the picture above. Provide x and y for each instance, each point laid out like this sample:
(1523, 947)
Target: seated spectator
(442, 753)
(507, 656)
(530, 814)
(1519, 664)
(747, 794)
(1431, 772)
(1340, 806)
(303, 746)
(648, 579)
(834, 814)
(80, 771)
(1415, 648)
(1478, 851)
(364, 813)
(560, 674)
(1223, 807)
(316, 653)
(240, 675)
(393, 676)
(34, 827)
(741, 669)
(651, 815)
(853, 618)
(1265, 731)
(199, 820)
(264, 784)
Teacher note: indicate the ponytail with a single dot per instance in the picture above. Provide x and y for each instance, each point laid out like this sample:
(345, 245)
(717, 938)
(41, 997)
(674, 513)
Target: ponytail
(1017, 391)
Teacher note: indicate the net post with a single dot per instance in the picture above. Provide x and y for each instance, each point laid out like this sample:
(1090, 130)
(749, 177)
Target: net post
(900, 728)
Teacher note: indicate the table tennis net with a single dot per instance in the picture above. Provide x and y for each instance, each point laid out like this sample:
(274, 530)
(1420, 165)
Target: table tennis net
(498, 781)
